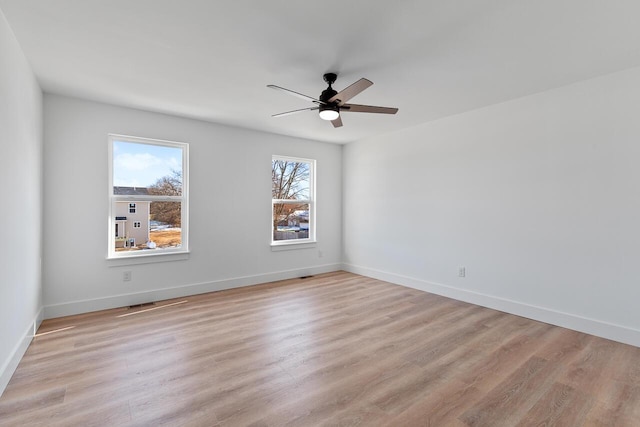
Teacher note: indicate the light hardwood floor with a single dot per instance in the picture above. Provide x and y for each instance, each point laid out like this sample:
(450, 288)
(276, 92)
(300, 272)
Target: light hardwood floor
(336, 349)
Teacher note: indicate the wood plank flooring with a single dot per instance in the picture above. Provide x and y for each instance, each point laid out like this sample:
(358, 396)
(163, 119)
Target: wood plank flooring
(336, 349)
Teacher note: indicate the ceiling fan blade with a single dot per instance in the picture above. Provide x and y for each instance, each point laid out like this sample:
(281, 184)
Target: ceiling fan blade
(294, 93)
(337, 122)
(355, 108)
(295, 111)
(346, 94)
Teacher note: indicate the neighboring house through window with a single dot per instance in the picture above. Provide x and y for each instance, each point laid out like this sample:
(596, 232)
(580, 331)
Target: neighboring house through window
(292, 200)
(148, 207)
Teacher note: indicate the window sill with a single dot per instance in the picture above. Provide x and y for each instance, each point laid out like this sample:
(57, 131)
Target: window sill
(289, 245)
(147, 258)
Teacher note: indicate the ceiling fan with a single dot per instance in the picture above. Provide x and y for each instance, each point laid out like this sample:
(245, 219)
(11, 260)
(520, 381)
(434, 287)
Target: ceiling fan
(331, 103)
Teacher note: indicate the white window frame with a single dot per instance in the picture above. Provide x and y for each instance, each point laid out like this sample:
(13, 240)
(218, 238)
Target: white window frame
(311, 240)
(184, 199)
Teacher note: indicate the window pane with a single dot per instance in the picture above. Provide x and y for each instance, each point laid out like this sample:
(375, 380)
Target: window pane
(146, 169)
(166, 224)
(290, 221)
(154, 226)
(290, 180)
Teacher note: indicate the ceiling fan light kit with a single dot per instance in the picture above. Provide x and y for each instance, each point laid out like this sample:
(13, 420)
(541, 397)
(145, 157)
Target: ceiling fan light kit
(331, 103)
(329, 112)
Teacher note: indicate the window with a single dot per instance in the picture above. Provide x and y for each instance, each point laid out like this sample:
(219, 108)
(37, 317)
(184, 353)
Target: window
(292, 200)
(148, 209)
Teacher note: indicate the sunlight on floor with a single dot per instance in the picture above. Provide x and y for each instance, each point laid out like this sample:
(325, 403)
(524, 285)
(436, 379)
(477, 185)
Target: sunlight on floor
(151, 309)
(54, 331)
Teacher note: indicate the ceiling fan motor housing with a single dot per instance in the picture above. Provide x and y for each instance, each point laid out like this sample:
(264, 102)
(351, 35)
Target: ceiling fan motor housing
(328, 93)
(329, 110)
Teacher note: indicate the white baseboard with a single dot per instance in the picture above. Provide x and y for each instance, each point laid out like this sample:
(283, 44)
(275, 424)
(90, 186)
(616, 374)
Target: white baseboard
(123, 300)
(9, 366)
(598, 328)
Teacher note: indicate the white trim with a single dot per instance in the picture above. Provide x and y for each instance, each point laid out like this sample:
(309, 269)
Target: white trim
(123, 300)
(9, 366)
(149, 258)
(288, 245)
(620, 333)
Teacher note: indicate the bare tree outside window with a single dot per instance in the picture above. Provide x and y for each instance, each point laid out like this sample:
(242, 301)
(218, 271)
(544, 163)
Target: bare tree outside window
(167, 212)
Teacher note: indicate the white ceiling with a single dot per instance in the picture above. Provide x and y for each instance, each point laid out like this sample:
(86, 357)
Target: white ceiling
(212, 60)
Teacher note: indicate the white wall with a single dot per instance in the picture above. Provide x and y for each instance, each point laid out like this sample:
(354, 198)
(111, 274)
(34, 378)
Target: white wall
(230, 208)
(21, 209)
(539, 198)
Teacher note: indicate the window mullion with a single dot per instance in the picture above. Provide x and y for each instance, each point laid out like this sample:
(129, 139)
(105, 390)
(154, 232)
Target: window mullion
(292, 202)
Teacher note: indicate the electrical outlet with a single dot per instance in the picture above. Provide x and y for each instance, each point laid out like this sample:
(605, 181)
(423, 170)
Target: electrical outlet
(126, 276)
(462, 272)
